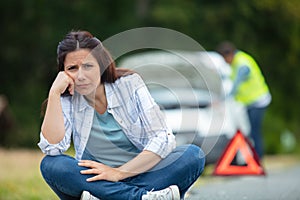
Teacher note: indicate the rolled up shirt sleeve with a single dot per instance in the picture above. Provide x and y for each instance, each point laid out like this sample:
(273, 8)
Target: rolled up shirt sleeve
(161, 140)
(52, 149)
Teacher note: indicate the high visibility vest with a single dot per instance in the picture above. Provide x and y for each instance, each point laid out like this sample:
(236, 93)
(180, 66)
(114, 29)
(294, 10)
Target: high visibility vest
(254, 86)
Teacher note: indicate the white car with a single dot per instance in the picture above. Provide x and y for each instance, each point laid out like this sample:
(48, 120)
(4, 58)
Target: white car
(190, 88)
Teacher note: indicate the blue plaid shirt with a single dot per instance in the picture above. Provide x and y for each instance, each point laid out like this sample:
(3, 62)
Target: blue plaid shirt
(132, 106)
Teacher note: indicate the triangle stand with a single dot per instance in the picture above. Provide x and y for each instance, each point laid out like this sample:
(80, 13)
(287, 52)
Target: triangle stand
(242, 144)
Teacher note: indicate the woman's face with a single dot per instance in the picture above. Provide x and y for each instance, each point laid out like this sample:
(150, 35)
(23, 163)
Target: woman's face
(84, 69)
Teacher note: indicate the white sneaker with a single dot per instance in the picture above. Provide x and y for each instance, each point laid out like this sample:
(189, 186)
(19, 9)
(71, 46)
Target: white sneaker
(170, 193)
(87, 196)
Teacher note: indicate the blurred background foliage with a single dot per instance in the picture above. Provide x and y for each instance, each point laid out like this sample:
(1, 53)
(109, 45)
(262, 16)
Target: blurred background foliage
(31, 30)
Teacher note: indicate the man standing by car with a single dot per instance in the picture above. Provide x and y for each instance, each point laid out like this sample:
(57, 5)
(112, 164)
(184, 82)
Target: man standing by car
(249, 88)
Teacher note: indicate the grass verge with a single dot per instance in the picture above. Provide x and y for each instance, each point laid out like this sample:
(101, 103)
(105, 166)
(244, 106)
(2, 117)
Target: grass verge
(20, 177)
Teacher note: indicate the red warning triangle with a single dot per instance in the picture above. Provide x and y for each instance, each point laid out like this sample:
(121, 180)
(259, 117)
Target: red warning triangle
(242, 144)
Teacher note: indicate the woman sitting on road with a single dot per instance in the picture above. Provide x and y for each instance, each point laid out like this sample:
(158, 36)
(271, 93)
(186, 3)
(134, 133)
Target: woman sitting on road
(124, 148)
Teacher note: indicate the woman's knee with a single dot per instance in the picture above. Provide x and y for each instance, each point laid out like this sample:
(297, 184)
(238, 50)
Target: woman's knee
(195, 155)
(45, 164)
(51, 165)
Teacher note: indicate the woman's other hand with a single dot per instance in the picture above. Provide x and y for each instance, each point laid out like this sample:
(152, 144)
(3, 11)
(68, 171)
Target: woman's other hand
(101, 171)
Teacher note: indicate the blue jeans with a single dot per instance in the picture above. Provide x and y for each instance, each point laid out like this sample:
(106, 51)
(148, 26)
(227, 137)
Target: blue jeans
(256, 118)
(182, 168)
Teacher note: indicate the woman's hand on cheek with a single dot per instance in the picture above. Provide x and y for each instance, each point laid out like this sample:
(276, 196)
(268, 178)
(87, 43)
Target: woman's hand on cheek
(61, 83)
(101, 171)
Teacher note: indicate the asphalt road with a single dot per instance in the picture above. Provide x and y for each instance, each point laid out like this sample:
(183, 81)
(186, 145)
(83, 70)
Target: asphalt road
(283, 183)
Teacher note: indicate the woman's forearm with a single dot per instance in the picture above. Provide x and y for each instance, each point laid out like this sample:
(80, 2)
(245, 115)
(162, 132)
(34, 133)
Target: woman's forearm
(141, 163)
(53, 124)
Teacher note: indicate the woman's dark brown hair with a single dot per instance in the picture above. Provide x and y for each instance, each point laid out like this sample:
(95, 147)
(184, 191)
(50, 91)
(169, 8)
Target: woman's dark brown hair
(75, 40)
(84, 40)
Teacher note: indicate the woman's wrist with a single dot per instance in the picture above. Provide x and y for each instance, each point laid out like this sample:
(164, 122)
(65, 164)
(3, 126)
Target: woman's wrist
(54, 93)
(124, 174)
